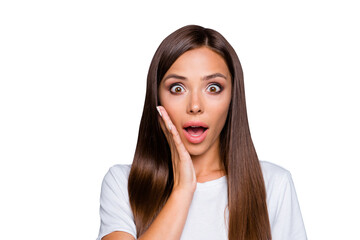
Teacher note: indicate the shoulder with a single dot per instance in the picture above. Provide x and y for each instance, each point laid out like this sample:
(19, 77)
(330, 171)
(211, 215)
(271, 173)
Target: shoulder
(283, 206)
(117, 177)
(275, 176)
(273, 171)
(115, 209)
(280, 189)
(119, 171)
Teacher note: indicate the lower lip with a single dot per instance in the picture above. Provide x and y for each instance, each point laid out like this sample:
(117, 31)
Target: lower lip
(195, 139)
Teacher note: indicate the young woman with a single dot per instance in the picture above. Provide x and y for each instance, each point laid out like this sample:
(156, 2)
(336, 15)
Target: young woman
(195, 173)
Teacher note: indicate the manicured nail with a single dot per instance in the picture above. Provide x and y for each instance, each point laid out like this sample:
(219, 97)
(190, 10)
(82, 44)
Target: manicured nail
(169, 127)
(159, 111)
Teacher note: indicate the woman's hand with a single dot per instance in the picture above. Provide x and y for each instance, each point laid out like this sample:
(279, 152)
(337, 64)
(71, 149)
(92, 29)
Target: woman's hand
(183, 168)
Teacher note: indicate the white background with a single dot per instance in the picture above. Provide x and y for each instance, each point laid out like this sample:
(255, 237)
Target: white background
(73, 76)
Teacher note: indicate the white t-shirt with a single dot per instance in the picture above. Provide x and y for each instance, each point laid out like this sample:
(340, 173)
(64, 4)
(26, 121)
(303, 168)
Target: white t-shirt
(207, 217)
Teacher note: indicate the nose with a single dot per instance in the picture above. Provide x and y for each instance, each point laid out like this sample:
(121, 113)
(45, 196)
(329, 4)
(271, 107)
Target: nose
(195, 105)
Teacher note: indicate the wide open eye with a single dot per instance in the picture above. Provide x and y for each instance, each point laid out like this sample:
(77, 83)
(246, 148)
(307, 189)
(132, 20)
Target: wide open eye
(176, 88)
(214, 88)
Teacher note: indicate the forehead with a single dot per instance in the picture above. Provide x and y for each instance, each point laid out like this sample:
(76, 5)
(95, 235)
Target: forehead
(202, 60)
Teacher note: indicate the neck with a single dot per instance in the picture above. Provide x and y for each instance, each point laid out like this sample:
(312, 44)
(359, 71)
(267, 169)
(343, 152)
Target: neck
(209, 163)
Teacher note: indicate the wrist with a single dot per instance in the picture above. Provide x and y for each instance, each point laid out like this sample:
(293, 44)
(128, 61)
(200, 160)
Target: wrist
(183, 191)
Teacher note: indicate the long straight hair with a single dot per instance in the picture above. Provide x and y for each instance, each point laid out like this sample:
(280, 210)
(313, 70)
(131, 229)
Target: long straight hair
(151, 177)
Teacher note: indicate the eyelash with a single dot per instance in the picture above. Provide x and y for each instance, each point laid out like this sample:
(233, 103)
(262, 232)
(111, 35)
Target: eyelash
(211, 84)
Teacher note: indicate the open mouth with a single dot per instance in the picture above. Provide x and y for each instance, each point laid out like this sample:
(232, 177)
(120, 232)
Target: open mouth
(195, 131)
(195, 134)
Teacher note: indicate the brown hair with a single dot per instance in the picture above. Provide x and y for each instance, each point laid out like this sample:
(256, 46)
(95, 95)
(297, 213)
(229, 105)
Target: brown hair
(151, 176)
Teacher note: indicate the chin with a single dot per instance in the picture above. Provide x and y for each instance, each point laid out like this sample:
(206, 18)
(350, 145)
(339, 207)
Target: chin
(195, 150)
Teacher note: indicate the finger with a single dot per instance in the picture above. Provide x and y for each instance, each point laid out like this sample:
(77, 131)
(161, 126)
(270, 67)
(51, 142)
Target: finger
(169, 139)
(175, 151)
(165, 117)
(165, 131)
(162, 125)
(168, 136)
(176, 137)
(169, 125)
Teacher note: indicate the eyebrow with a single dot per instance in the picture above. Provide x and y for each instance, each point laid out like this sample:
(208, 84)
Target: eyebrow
(205, 78)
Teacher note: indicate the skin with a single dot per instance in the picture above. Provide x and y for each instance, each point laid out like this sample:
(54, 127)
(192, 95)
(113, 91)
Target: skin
(195, 99)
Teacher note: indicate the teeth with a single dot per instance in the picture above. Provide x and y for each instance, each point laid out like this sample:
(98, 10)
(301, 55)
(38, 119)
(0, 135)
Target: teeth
(195, 127)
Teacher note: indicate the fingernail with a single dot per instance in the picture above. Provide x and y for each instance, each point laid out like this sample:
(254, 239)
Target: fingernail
(159, 111)
(169, 127)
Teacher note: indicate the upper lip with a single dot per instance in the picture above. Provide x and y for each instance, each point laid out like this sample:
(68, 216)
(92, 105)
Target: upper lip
(195, 124)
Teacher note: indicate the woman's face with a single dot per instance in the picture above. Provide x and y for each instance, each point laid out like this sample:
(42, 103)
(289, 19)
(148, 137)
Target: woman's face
(196, 93)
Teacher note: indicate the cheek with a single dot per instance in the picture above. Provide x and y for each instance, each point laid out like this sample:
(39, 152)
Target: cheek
(174, 108)
(221, 110)
(223, 115)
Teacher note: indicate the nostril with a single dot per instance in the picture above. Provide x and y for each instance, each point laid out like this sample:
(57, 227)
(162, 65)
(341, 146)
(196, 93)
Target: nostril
(198, 110)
